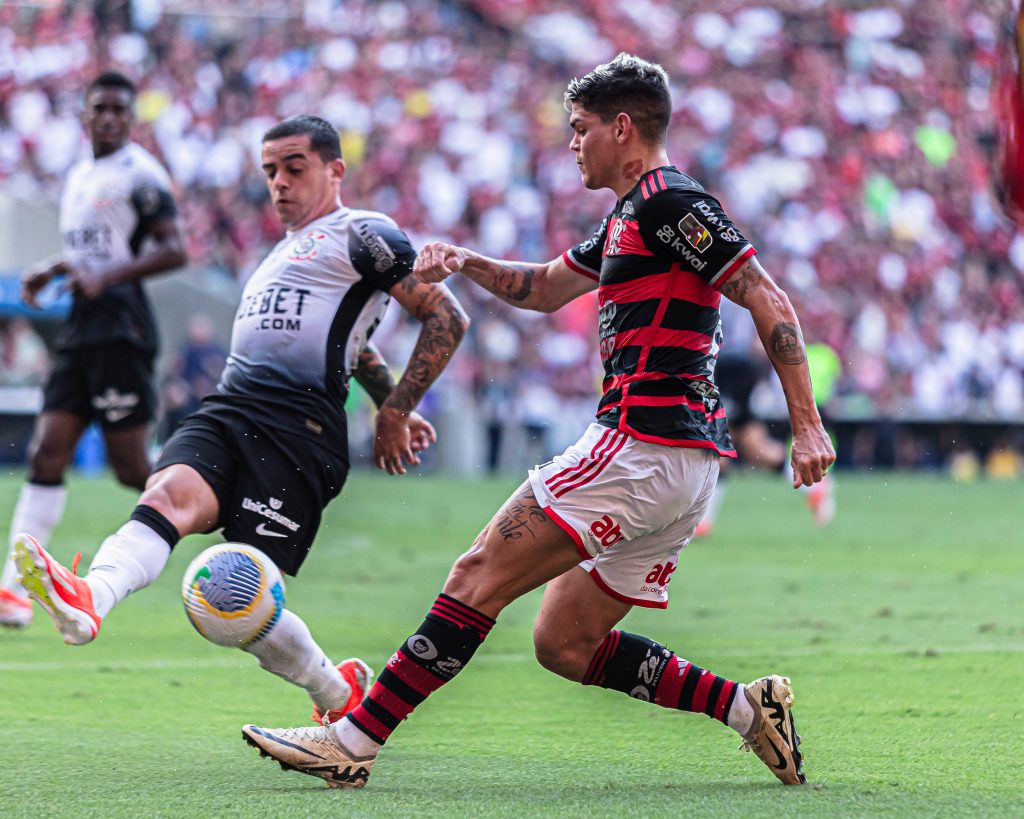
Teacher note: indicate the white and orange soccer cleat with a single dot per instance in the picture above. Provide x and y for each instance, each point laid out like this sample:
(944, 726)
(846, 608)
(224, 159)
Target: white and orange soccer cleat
(358, 676)
(313, 751)
(65, 597)
(772, 735)
(821, 500)
(15, 610)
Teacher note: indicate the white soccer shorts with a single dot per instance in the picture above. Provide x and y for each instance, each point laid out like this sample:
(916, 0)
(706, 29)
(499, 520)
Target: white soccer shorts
(630, 507)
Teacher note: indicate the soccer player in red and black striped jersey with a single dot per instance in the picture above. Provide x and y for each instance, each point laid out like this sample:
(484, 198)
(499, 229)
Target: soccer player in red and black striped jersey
(603, 523)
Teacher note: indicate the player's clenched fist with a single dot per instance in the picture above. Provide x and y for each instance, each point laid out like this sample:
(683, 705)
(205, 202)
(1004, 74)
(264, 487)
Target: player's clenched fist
(437, 261)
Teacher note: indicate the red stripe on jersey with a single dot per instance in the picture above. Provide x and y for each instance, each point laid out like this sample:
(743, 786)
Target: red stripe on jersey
(636, 601)
(670, 684)
(624, 239)
(622, 379)
(700, 695)
(680, 284)
(660, 337)
(578, 268)
(723, 700)
(661, 179)
(590, 465)
(726, 272)
(414, 675)
(665, 401)
(554, 479)
(685, 443)
(564, 525)
(645, 190)
(601, 466)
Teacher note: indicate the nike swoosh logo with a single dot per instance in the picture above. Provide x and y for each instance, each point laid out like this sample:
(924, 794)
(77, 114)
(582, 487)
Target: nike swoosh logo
(781, 765)
(263, 530)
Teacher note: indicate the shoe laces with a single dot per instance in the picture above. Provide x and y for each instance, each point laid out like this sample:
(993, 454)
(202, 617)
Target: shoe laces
(314, 734)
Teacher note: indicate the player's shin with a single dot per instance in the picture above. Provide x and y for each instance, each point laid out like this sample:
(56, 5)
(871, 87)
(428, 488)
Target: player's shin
(38, 511)
(645, 670)
(130, 559)
(289, 651)
(441, 647)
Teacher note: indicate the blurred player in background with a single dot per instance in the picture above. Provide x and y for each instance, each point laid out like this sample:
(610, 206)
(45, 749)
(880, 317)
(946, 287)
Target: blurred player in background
(626, 498)
(118, 226)
(739, 368)
(265, 454)
(1008, 105)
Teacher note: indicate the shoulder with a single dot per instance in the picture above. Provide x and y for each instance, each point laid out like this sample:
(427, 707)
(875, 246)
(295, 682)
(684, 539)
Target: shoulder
(378, 244)
(146, 168)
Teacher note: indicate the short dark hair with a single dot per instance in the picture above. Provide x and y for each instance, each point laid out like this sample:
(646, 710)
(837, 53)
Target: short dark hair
(323, 137)
(112, 79)
(628, 84)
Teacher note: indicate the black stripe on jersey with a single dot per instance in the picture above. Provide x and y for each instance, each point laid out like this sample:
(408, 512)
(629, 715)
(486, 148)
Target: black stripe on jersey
(625, 360)
(677, 422)
(352, 304)
(635, 314)
(685, 315)
(670, 385)
(675, 360)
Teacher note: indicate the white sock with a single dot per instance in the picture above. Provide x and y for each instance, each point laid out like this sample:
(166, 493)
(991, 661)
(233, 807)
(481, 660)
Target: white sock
(353, 740)
(715, 504)
(127, 561)
(741, 714)
(38, 511)
(290, 652)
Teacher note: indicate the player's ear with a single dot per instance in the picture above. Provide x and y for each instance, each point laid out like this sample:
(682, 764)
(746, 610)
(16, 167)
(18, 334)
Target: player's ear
(337, 167)
(623, 126)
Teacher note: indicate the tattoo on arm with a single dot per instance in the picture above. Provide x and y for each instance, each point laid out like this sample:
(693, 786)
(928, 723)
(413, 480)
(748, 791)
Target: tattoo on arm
(444, 325)
(520, 515)
(787, 347)
(374, 375)
(741, 282)
(513, 282)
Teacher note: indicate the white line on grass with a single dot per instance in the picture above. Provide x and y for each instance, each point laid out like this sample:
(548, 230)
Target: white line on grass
(244, 662)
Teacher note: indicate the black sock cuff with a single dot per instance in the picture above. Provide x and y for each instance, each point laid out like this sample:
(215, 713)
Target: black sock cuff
(148, 516)
(46, 484)
(483, 618)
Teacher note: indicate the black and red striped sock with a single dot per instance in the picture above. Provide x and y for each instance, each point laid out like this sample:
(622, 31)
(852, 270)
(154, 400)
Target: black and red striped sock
(440, 648)
(648, 671)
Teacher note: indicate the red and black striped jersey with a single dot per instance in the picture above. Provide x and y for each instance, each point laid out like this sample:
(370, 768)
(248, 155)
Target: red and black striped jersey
(661, 258)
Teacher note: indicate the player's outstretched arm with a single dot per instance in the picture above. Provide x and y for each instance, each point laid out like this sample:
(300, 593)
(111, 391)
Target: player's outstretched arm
(779, 329)
(167, 253)
(374, 376)
(542, 287)
(444, 323)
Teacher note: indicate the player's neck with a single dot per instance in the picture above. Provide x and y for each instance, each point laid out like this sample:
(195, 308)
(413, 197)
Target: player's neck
(634, 169)
(99, 152)
(319, 213)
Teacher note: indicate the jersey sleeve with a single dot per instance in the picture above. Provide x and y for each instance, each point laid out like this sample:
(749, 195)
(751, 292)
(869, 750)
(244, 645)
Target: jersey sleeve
(153, 203)
(380, 251)
(585, 258)
(691, 228)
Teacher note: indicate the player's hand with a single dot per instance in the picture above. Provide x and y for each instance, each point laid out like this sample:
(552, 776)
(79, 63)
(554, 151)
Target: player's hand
(85, 284)
(36, 278)
(437, 261)
(393, 441)
(812, 455)
(421, 432)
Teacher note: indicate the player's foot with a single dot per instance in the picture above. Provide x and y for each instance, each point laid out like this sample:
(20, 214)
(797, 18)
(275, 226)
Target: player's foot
(773, 735)
(313, 751)
(358, 676)
(66, 598)
(821, 500)
(15, 610)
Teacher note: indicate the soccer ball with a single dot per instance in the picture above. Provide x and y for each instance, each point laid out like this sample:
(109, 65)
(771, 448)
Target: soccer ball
(233, 594)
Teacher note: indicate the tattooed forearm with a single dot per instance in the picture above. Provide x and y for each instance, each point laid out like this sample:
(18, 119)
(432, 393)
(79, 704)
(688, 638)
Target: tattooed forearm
(520, 515)
(742, 282)
(443, 328)
(374, 375)
(513, 282)
(787, 346)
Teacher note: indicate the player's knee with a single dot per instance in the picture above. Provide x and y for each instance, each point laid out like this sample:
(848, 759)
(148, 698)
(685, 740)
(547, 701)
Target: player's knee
(464, 578)
(47, 461)
(557, 656)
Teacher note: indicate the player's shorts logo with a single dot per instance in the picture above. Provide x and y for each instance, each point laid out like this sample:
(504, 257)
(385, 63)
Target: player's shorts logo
(606, 531)
(698, 236)
(115, 405)
(660, 575)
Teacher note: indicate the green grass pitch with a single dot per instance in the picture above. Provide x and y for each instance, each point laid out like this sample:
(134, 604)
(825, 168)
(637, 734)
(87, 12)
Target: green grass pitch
(901, 625)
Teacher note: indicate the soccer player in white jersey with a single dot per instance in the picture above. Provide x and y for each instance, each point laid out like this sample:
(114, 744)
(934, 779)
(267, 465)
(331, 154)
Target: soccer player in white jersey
(265, 454)
(603, 523)
(118, 226)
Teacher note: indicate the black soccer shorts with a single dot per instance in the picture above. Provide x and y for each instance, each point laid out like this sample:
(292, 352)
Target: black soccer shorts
(272, 485)
(111, 385)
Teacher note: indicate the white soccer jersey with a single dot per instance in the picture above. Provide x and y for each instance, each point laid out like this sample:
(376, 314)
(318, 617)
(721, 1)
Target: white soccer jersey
(106, 212)
(307, 313)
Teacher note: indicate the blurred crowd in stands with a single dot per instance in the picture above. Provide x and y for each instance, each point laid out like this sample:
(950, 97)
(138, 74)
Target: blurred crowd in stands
(852, 146)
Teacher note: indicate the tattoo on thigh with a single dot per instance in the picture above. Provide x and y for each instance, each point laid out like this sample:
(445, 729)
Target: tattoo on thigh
(520, 515)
